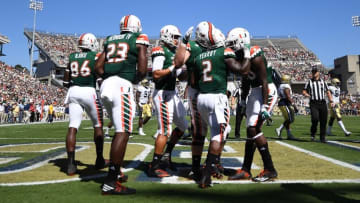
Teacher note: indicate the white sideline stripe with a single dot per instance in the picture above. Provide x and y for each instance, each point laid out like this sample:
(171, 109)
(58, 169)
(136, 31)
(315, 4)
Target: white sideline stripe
(35, 138)
(140, 157)
(334, 161)
(45, 150)
(34, 123)
(41, 163)
(228, 149)
(345, 145)
(7, 160)
(173, 180)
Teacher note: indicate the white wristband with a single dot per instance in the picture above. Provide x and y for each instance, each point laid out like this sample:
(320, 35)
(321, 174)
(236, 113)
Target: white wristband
(171, 68)
(178, 72)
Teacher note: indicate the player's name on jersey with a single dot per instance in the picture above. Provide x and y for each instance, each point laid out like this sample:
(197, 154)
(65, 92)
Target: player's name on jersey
(81, 55)
(207, 54)
(117, 37)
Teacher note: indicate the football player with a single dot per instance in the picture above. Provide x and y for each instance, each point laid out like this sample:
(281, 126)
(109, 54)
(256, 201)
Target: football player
(211, 70)
(80, 77)
(259, 105)
(186, 54)
(122, 64)
(335, 111)
(286, 106)
(144, 104)
(168, 105)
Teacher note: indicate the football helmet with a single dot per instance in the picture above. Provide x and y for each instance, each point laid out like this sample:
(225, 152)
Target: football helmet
(88, 41)
(204, 34)
(238, 38)
(130, 23)
(144, 82)
(170, 35)
(335, 82)
(219, 38)
(286, 79)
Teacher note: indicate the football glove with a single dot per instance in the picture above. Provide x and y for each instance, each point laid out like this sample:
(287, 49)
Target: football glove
(187, 35)
(264, 113)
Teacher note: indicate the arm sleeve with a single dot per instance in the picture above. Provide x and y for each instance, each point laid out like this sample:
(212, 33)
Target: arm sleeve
(158, 63)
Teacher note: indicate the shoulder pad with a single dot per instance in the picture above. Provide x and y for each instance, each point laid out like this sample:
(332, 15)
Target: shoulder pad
(157, 51)
(229, 52)
(255, 51)
(188, 46)
(97, 55)
(143, 39)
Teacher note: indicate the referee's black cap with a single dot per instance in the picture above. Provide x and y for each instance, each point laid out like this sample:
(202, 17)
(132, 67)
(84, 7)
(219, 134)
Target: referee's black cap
(314, 69)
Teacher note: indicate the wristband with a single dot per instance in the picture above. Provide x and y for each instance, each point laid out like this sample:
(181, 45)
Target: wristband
(171, 68)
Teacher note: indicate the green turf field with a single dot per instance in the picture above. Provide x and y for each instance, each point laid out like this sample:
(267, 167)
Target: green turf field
(308, 171)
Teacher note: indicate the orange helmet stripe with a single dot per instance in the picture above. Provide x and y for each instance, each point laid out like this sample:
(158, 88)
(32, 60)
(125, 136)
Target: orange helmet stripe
(81, 38)
(126, 21)
(210, 34)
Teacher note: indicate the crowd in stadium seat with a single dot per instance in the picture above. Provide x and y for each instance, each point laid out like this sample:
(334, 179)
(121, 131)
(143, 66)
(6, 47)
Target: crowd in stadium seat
(295, 62)
(19, 93)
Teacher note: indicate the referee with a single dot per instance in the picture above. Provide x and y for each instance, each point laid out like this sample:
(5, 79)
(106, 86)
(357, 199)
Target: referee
(316, 89)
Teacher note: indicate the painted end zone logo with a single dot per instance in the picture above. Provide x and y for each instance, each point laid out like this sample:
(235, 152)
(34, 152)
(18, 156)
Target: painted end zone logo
(45, 163)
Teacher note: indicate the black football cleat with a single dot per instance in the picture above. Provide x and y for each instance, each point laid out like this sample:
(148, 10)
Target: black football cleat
(101, 163)
(205, 180)
(71, 169)
(217, 171)
(122, 178)
(115, 188)
(195, 174)
(240, 175)
(157, 172)
(167, 163)
(265, 176)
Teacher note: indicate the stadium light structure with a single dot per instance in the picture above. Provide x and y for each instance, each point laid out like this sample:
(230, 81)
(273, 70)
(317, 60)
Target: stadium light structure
(356, 21)
(36, 6)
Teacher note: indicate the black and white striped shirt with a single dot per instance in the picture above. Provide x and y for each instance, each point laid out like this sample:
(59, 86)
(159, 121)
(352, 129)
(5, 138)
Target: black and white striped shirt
(317, 89)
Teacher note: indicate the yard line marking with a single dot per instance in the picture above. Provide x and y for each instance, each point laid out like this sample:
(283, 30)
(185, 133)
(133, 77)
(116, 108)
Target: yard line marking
(336, 143)
(131, 166)
(334, 161)
(139, 158)
(7, 160)
(39, 164)
(175, 181)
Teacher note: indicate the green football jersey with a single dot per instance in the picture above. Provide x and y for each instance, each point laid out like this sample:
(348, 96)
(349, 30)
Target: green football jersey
(122, 55)
(194, 50)
(81, 66)
(169, 81)
(256, 51)
(211, 70)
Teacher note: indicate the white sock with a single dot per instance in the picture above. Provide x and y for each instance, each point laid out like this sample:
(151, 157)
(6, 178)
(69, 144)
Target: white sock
(107, 130)
(341, 124)
(281, 127)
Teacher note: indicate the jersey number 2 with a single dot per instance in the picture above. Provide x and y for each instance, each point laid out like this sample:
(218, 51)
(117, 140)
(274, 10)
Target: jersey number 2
(207, 67)
(84, 71)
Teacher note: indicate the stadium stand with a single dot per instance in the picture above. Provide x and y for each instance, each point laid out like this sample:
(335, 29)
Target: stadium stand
(17, 87)
(286, 53)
